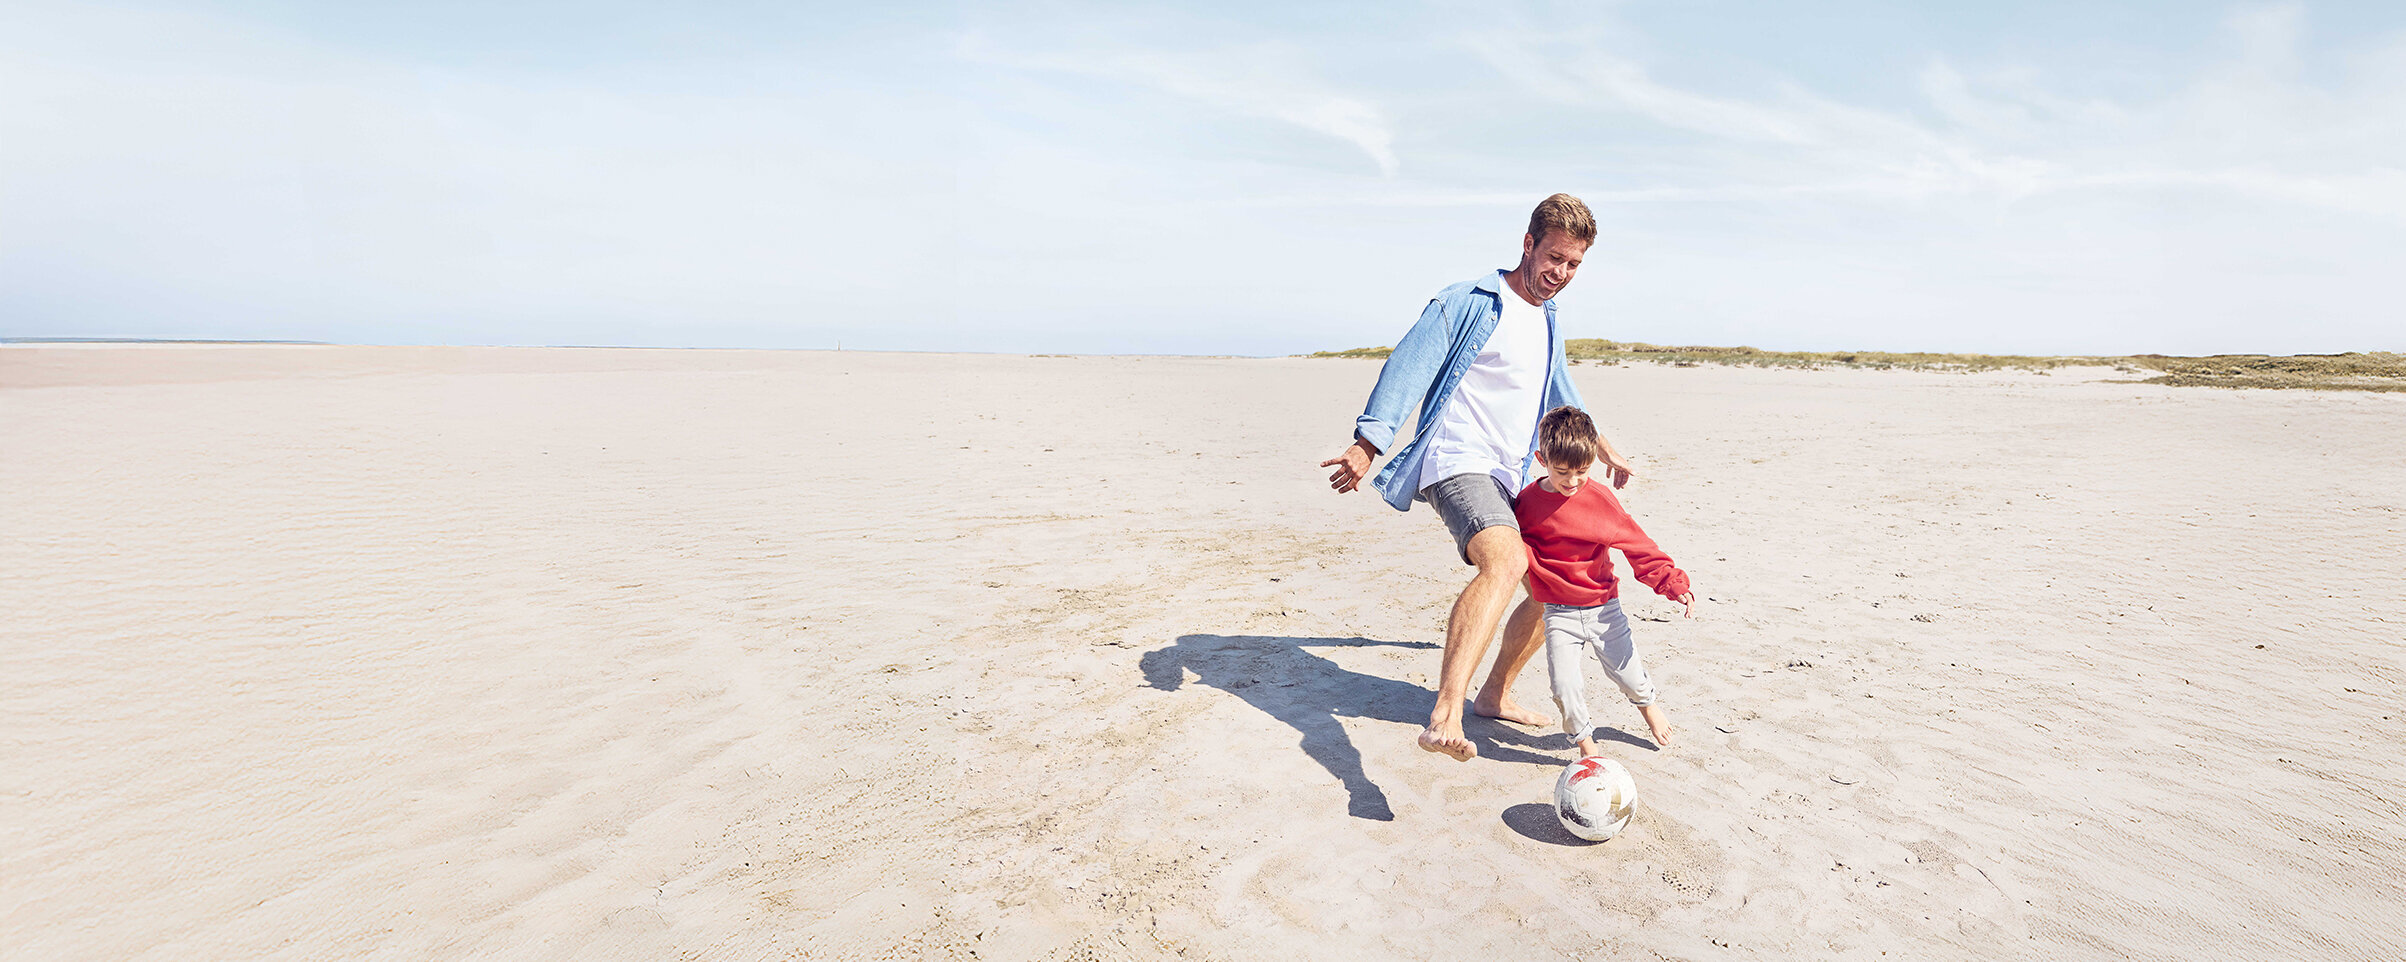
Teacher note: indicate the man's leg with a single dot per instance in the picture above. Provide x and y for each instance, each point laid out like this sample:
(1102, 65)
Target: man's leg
(1502, 560)
(1524, 637)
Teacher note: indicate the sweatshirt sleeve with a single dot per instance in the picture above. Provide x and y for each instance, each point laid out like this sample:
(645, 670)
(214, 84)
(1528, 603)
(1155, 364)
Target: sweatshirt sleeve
(1652, 567)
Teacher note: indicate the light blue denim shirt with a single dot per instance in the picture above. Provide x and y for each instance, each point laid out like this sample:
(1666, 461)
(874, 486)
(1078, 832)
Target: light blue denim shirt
(1429, 363)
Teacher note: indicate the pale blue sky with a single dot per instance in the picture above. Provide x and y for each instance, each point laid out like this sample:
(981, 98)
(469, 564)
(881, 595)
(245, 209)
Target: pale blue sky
(1066, 177)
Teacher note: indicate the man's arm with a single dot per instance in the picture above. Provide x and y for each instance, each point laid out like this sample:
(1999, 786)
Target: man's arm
(1614, 464)
(1402, 382)
(1353, 464)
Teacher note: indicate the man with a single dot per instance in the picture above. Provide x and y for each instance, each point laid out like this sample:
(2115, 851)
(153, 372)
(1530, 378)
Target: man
(1483, 362)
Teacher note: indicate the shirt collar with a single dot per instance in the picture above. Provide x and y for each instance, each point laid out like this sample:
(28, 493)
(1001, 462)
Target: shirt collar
(1493, 283)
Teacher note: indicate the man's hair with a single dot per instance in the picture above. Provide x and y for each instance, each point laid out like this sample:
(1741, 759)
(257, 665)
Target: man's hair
(1567, 438)
(1564, 213)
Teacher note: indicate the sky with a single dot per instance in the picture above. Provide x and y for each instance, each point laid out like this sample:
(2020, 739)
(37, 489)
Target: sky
(1228, 178)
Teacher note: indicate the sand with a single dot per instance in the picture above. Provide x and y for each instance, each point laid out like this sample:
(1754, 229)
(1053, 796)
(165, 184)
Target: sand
(316, 652)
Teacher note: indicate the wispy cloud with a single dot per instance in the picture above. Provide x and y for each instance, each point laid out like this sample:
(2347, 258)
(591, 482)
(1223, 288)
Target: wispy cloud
(2241, 126)
(1083, 176)
(190, 175)
(2238, 126)
(1267, 80)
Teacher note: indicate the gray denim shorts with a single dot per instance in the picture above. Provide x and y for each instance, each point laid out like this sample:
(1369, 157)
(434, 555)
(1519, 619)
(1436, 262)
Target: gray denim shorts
(1469, 504)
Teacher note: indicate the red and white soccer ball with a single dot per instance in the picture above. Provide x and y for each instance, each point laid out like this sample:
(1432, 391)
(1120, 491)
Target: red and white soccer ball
(1595, 797)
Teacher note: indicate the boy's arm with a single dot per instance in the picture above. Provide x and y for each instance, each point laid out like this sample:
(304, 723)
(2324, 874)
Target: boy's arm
(1652, 567)
(1402, 382)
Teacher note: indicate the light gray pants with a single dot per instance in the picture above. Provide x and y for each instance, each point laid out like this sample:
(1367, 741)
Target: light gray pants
(1606, 631)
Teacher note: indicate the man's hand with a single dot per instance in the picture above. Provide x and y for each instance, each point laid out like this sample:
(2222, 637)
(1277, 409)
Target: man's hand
(1615, 465)
(1352, 466)
(1689, 600)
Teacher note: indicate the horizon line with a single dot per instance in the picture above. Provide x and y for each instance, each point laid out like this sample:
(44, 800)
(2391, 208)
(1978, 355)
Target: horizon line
(1342, 354)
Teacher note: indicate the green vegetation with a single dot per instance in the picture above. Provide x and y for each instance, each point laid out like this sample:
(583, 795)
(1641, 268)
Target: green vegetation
(2353, 371)
(2375, 371)
(1591, 349)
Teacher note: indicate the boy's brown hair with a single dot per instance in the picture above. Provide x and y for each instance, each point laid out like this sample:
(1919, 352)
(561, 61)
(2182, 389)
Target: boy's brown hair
(1564, 213)
(1566, 436)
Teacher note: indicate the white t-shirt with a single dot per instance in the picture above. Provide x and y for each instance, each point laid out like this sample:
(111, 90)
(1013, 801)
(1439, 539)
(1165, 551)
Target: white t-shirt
(1492, 414)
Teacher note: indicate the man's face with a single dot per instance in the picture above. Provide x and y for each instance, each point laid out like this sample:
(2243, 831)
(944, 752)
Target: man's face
(1548, 263)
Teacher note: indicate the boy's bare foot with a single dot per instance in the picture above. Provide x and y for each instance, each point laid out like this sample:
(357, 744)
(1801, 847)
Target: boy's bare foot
(1432, 740)
(1587, 746)
(1657, 724)
(1505, 709)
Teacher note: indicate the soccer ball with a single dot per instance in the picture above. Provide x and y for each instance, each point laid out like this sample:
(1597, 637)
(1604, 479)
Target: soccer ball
(1595, 798)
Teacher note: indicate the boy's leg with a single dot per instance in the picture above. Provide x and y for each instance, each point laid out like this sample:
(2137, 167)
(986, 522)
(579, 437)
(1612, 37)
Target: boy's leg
(1657, 724)
(1524, 634)
(1565, 636)
(1618, 654)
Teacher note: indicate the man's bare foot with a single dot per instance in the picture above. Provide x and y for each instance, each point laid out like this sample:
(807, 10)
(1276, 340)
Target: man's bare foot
(1505, 709)
(1587, 746)
(1657, 724)
(1431, 740)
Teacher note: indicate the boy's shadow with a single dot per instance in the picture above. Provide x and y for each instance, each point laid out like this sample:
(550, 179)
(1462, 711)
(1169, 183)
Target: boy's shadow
(1288, 682)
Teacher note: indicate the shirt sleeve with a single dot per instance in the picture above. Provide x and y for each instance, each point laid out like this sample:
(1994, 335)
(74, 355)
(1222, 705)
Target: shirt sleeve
(1560, 389)
(1405, 378)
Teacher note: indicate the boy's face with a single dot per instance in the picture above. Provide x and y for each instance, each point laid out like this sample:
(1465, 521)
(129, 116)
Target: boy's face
(1566, 480)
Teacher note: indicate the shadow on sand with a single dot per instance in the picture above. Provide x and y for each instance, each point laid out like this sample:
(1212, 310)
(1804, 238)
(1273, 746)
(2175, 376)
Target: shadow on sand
(1607, 733)
(1284, 679)
(1537, 820)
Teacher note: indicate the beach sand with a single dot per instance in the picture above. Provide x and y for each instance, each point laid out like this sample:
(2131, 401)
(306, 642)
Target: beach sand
(321, 652)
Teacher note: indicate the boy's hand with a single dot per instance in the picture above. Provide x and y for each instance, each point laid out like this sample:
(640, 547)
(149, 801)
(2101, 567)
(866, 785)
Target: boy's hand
(1352, 465)
(1689, 600)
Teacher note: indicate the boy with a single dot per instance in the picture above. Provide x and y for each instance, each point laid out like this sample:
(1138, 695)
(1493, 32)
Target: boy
(1568, 524)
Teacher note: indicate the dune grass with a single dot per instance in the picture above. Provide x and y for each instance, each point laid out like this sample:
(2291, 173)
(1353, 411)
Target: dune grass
(2355, 371)
(1378, 352)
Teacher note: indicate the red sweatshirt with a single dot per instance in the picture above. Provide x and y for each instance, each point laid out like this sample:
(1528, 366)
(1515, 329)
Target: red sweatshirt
(1567, 538)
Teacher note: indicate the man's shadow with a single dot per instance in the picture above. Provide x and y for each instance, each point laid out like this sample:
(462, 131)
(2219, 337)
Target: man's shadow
(1288, 682)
